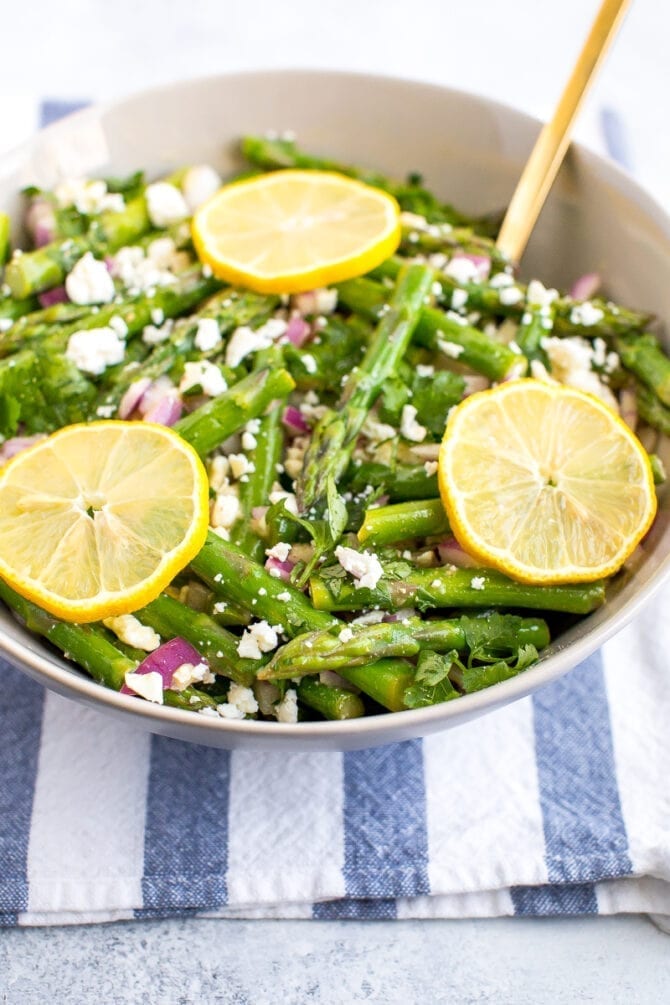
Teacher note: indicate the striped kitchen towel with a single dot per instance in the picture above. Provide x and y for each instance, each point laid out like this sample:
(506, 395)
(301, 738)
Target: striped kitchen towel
(557, 804)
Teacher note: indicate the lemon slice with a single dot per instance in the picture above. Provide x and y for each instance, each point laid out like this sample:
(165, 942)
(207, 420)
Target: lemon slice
(97, 519)
(291, 231)
(545, 483)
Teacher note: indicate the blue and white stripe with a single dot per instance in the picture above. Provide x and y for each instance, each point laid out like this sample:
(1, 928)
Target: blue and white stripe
(558, 804)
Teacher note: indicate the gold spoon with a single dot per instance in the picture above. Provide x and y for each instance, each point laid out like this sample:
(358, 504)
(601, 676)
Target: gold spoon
(552, 143)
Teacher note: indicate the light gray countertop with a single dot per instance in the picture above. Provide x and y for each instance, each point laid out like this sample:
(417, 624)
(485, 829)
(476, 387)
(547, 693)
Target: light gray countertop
(509, 961)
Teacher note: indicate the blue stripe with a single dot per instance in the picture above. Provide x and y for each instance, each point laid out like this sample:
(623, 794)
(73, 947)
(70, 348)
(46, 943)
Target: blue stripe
(51, 111)
(355, 910)
(186, 828)
(616, 137)
(584, 830)
(385, 835)
(571, 898)
(20, 731)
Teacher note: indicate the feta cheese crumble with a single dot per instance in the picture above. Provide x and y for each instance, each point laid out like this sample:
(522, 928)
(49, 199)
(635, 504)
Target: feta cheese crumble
(258, 639)
(128, 629)
(204, 374)
(92, 350)
(245, 340)
(510, 295)
(146, 685)
(571, 360)
(189, 673)
(224, 511)
(409, 427)
(586, 314)
(199, 184)
(89, 282)
(286, 710)
(165, 204)
(207, 336)
(450, 349)
(462, 270)
(280, 551)
(240, 702)
(346, 635)
(477, 582)
(88, 197)
(364, 566)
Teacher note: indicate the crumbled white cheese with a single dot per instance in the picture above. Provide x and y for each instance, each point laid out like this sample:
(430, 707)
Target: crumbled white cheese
(459, 299)
(138, 272)
(105, 411)
(290, 501)
(240, 465)
(92, 350)
(147, 685)
(478, 583)
(162, 252)
(570, 360)
(240, 702)
(586, 314)
(286, 710)
(165, 204)
(284, 597)
(152, 335)
(245, 340)
(319, 301)
(510, 295)
(309, 362)
(450, 349)
(5, 324)
(258, 639)
(199, 184)
(207, 336)
(462, 270)
(377, 432)
(210, 713)
(364, 566)
(430, 467)
(88, 197)
(409, 427)
(224, 511)
(369, 618)
(295, 453)
(204, 374)
(218, 472)
(346, 635)
(425, 370)
(249, 441)
(190, 673)
(538, 295)
(89, 282)
(500, 280)
(128, 629)
(157, 316)
(280, 551)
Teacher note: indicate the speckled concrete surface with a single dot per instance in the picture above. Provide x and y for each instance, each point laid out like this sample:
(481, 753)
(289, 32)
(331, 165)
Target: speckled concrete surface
(618, 961)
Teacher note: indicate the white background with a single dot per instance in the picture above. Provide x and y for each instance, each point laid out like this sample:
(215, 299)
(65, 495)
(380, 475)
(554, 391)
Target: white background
(519, 51)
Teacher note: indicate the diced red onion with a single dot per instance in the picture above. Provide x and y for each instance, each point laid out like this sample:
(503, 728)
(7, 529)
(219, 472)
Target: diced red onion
(41, 223)
(481, 262)
(57, 295)
(298, 331)
(10, 448)
(451, 553)
(475, 382)
(284, 569)
(258, 512)
(402, 615)
(294, 421)
(166, 411)
(158, 389)
(586, 286)
(166, 659)
(133, 396)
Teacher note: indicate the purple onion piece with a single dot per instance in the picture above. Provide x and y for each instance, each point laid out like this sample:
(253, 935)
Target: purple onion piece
(298, 331)
(294, 421)
(258, 512)
(133, 396)
(481, 262)
(165, 412)
(451, 553)
(166, 659)
(586, 286)
(41, 223)
(57, 295)
(402, 615)
(284, 569)
(10, 448)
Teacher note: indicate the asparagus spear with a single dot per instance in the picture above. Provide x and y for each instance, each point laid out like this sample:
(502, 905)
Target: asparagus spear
(266, 455)
(644, 357)
(34, 271)
(438, 332)
(5, 231)
(441, 587)
(208, 426)
(400, 482)
(89, 646)
(651, 410)
(325, 650)
(334, 437)
(331, 702)
(388, 524)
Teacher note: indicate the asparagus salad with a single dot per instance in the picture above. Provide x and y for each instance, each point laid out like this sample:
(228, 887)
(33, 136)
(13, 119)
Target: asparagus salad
(336, 553)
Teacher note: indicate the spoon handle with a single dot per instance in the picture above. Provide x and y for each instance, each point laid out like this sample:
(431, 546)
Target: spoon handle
(552, 143)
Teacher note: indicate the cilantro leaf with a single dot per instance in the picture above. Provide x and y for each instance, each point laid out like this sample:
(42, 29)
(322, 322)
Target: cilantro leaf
(431, 683)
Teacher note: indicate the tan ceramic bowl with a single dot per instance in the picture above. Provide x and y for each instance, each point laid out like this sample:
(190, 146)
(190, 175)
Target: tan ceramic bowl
(471, 151)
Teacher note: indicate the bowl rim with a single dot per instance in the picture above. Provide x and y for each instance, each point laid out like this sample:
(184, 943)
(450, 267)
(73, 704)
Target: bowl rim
(411, 721)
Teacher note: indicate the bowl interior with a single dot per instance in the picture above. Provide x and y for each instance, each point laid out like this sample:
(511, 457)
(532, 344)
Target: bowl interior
(470, 150)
